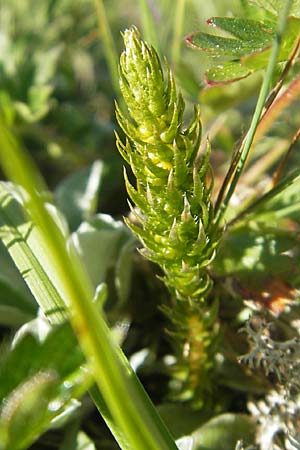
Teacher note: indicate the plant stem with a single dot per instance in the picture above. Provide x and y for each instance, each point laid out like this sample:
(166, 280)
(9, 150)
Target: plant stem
(263, 95)
(273, 94)
(109, 48)
(278, 173)
(129, 406)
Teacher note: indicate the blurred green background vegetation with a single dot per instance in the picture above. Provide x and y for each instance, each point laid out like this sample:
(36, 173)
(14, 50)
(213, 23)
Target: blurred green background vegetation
(57, 93)
(55, 84)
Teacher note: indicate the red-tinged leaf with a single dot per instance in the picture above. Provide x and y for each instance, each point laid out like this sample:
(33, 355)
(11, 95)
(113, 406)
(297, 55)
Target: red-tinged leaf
(245, 29)
(226, 73)
(218, 45)
(247, 36)
(280, 104)
(259, 59)
(222, 96)
(250, 42)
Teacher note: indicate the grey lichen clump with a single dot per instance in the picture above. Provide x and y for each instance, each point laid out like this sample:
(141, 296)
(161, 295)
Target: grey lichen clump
(277, 414)
(279, 358)
(171, 203)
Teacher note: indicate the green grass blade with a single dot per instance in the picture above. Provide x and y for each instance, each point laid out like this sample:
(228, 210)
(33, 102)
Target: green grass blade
(177, 30)
(132, 411)
(148, 25)
(22, 240)
(104, 411)
(288, 183)
(109, 48)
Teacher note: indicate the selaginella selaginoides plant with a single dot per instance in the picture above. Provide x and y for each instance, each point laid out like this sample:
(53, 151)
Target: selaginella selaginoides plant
(171, 206)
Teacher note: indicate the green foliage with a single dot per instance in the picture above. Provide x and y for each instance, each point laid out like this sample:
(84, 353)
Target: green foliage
(223, 432)
(173, 195)
(40, 390)
(282, 201)
(137, 424)
(53, 81)
(224, 241)
(275, 6)
(248, 43)
(28, 403)
(106, 249)
(248, 36)
(254, 252)
(174, 216)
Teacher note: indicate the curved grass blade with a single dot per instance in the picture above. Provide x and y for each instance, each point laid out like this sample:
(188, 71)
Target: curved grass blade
(132, 411)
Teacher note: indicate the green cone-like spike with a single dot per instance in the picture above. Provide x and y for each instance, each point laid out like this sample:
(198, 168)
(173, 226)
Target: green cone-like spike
(173, 191)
